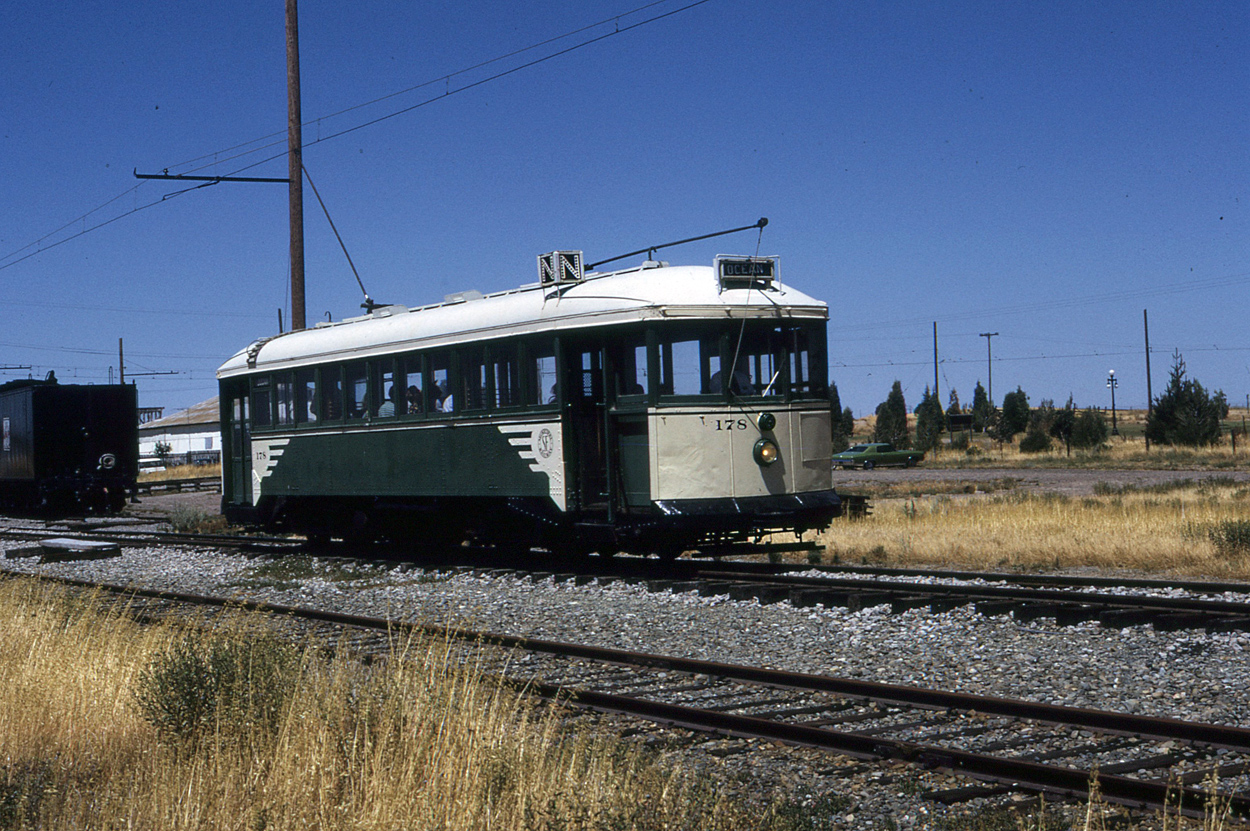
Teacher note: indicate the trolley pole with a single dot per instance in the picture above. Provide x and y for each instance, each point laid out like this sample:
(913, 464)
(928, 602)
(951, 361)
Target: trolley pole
(295, 159)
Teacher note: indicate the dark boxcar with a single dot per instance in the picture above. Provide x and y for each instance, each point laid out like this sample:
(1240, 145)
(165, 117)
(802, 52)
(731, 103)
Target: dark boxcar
(67, 447)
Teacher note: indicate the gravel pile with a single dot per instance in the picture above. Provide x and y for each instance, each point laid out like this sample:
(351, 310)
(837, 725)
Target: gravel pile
(1190, 675)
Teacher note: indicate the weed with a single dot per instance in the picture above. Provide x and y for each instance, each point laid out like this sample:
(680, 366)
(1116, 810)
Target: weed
(815, 558)
(1231, 537)
(878, 554)
(189, 520)
(808, 811)
(22, 787)
(228, 684)
(994, 818)
(288, 572)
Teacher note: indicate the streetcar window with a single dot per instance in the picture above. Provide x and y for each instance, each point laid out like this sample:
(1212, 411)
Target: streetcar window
(679, 368)
(441, 399)
(630, 364)
(284, 386)
(758, 351)
(306, 395)
(473, 378)
(357, 388)
(590, 386)
(690, 367)
(261, 414)
(332, 393)
(413, 382)
(540, 368)
(507, 375)
(384, 393)
(808, 378)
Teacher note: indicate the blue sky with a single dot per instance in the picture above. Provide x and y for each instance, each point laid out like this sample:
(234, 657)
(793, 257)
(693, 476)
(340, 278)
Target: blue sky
(1044, 171)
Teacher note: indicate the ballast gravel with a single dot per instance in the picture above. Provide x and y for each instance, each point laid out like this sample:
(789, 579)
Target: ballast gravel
(1187, 674)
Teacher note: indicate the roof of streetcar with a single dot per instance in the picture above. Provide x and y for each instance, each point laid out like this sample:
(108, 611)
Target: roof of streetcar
(652, 291)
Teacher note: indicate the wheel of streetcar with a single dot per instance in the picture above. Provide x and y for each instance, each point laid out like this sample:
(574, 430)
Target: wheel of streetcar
(868, 465)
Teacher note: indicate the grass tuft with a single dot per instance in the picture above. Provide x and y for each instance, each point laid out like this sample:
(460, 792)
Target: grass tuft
(190, 520)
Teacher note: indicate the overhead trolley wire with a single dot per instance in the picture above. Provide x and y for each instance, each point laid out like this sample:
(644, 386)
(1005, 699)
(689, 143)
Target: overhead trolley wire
(618, 30)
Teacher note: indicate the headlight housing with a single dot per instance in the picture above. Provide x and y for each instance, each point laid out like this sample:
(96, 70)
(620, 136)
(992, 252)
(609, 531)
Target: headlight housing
(765, 452)
(766, 421)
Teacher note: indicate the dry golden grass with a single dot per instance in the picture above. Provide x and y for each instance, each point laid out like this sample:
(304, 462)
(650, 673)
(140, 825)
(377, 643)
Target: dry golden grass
(181, 472)
(1121, 452)
(418, 742)
(1196, 530)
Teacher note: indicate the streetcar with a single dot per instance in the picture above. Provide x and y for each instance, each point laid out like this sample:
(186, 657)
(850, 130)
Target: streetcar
(655, 409)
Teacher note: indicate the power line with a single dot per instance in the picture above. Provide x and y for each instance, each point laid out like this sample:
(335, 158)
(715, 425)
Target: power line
(443, 78)
(1065, 303)
(277, 137)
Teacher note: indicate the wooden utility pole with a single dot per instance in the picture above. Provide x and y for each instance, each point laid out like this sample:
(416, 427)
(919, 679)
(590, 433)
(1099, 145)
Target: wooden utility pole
(295, 158)
(1150, 399)
(121, 363)
(989, 354)
(936, 397)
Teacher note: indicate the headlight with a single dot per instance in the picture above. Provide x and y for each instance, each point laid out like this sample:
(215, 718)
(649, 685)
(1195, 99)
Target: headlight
(767, 421)
(765, 452)
(108, 461)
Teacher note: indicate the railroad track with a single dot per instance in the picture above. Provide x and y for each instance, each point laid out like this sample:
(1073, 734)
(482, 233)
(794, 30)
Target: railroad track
(121, 536)
(1068, 600)
(1002, 744)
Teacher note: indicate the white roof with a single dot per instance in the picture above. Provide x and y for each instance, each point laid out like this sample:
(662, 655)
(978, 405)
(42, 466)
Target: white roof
(653, 291)
(205, 413)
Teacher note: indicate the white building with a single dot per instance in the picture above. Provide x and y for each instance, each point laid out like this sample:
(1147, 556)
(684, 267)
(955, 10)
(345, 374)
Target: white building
(193, 435)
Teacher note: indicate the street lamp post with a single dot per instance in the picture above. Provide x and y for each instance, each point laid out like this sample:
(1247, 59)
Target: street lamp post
(1112, 383)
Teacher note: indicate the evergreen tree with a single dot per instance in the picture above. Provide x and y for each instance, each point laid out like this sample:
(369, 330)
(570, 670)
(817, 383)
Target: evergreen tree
(1015, 415)
(1063, 423)
(1037, 434)
(841, 436)
(1185, 413)
(981, 409)
(954, 408)
(848, 423)
(930, 421)
(892, 419)
(1089, 430)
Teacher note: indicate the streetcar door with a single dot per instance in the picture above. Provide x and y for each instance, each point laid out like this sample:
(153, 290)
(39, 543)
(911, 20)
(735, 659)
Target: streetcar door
(240, 448)
(586, 411)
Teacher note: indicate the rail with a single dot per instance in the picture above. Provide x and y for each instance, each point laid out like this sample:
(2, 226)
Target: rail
(200, 483)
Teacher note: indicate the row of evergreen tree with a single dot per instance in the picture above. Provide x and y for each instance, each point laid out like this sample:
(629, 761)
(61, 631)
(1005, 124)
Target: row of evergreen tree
(1185, 414)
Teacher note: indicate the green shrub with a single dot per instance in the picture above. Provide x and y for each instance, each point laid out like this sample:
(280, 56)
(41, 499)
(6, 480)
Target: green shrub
(1035, 441)
(1231, 537)
(1089, 429)
(231, 686)
(187, 520)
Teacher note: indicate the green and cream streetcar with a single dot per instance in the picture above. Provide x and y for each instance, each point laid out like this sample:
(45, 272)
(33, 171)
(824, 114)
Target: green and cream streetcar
(655, 409)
